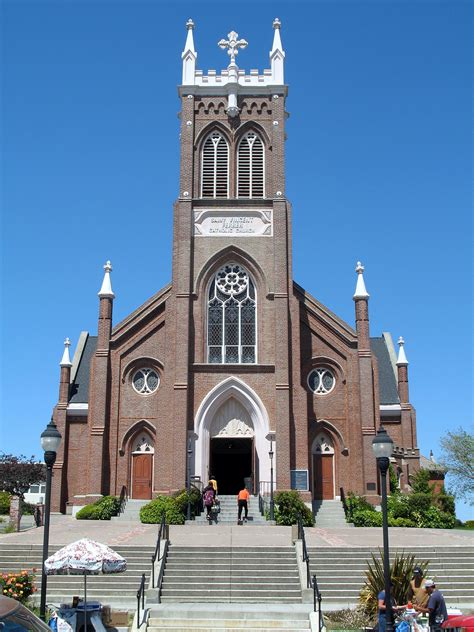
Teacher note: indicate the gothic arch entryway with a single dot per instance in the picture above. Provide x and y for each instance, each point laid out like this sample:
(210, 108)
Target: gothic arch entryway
(323, 467)
(142, 453)
(230, 433)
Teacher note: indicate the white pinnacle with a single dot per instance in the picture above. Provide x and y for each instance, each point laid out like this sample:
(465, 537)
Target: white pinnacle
(402, 359)
(360, 291)
(66, 360)
(189, 56)
(277, 54)
(106, 289)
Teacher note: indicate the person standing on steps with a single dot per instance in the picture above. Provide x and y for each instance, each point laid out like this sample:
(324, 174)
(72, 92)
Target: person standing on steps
(243, 498)
(213, 482)
(417, 592)
(208, 497)
(436, 607)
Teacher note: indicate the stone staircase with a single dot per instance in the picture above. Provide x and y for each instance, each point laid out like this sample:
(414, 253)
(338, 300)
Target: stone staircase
(228, 513)
(329, 514)
(231, 575)
(131, 511)
(341, 573)
(117, 589)
(214, 617)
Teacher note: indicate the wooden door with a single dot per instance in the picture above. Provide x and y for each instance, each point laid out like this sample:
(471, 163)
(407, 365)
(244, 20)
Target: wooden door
(142, 465)
(323, 477)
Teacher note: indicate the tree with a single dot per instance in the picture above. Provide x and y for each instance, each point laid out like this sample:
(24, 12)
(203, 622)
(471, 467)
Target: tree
(458, 458)
(17, 473)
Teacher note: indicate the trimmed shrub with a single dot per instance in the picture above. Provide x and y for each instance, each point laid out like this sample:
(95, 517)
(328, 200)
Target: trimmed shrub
(400, 522)
(419, 502)
(367, 518)
(171, 507)
(445, 502)
(469, 524)
(4, 503)
(358, 503)
(102, 509)
(181, 498)
(289, 506)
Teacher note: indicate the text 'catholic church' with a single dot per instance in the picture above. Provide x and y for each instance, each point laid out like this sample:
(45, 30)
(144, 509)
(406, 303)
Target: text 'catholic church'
(233, 356)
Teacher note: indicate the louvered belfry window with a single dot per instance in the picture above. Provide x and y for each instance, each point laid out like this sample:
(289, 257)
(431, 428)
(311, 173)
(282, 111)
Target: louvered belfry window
(215, 167)
(250, 167)
(231, 317)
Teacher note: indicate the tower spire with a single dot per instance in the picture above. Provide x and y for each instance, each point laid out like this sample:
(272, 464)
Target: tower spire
(66, 360)
(189, 56)
(360, 291)
(277, 54)
(106, 289)
(402, 358)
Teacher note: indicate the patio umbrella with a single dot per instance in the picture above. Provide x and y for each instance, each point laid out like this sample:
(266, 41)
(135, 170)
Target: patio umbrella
(85, 557)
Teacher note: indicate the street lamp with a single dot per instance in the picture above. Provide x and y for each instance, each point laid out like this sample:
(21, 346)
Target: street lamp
(50, 440)
(382, 446)
(272, 502)
(188, 485)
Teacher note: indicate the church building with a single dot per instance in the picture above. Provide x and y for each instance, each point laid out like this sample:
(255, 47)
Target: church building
(233, 368)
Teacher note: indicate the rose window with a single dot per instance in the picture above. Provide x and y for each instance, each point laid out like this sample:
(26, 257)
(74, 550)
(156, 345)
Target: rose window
(145, 381)
(321, 380)
(232, 280)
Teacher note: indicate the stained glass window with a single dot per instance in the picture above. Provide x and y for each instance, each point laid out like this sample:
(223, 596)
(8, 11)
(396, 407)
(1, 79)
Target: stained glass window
(321, 380)
(231, 317)
(145, 381)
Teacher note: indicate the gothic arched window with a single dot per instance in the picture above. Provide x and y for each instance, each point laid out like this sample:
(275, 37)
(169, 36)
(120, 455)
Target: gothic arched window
(231, 317)
(215, 167)
(250, 167)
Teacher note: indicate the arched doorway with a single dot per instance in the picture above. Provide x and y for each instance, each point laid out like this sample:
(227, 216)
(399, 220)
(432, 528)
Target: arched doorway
(232, 412)
(323, 467)
(142, 467)
(232, 457)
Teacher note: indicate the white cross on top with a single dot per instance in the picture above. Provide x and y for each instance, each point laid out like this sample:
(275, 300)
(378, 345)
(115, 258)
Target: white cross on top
(232, 44)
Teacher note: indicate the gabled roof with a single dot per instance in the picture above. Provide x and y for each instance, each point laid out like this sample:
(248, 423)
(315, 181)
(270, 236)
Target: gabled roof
(388, 387)
(79, 389)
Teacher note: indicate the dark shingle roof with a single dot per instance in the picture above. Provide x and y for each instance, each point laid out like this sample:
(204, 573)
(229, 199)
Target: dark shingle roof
(79, 391)
(388, 390)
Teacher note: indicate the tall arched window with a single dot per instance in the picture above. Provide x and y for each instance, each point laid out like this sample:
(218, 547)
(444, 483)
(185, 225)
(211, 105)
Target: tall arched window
(215, 167)
(231, 317)
(250, 167)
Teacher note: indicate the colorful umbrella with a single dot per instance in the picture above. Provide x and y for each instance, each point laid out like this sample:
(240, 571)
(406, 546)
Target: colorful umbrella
(85, 557)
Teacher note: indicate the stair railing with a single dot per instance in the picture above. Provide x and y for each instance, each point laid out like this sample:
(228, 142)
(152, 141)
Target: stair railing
(156, 554)
(311, 581)
(123, 498)
(141, 602)
(264, 497)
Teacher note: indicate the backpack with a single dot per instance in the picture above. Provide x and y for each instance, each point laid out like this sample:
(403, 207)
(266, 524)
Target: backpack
(208, 497)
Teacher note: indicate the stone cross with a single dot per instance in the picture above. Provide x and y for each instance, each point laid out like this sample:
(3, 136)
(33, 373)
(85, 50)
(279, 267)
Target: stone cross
(232, 44)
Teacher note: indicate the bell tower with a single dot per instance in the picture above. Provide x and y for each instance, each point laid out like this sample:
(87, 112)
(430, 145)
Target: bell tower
(232, 275)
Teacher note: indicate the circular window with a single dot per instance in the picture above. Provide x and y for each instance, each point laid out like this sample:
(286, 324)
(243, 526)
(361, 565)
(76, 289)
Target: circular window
(232, 279)
(321, 380)
(145, 381)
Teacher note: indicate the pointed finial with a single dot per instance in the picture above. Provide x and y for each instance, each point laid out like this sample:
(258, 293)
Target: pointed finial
(189, 56)
(360, 291)
(189, 24)
(277, 55)
(402, 359)
(276, 23)
(106, 289)
(66, 360)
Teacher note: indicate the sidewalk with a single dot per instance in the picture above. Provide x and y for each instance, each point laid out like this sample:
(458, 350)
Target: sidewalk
(65, 529)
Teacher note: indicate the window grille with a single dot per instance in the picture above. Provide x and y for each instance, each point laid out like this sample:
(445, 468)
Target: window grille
(250, 168)
(215, 167)
(231, 317)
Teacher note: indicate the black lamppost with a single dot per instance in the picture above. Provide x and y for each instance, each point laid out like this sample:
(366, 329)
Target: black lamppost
(188, 486)
(50, 440)
(272, 502)
(382, 446)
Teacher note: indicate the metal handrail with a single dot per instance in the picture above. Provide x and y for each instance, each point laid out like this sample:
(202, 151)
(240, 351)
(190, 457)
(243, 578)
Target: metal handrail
(155, 556)
(141, 600)
(311, 582)
(123, 498)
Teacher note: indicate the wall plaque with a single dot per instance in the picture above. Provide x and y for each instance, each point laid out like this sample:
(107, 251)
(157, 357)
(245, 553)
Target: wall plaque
(299, 480)
(235, 222)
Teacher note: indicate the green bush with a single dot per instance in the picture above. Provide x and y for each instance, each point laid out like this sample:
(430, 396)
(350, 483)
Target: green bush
(400, 522)
(367, 518)
(181, 498)
(419, 502)
(102, 509)
(469, 524)
(358, 503)
(289, 506)
(445, 502)
(171, 507)
(4, 503)
(420, 482)
(27, 509)
(398, 506)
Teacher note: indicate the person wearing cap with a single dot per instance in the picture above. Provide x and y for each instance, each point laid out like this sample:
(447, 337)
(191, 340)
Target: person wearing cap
(417, 592)
(436, 607)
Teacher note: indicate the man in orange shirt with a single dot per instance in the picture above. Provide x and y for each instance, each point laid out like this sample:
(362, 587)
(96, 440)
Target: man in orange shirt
(243, 498)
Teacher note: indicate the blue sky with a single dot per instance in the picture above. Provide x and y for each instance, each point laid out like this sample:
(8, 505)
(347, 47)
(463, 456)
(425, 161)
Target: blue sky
(379, 164)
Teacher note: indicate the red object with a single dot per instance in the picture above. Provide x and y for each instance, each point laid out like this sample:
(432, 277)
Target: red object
(462, 621)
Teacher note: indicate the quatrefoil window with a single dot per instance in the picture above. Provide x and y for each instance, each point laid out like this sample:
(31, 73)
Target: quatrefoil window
(321, 380)
(145, 381)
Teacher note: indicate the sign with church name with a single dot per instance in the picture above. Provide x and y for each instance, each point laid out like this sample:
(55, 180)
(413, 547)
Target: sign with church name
(235, 222)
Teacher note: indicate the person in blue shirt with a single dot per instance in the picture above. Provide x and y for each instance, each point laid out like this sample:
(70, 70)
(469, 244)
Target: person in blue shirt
(382, 619)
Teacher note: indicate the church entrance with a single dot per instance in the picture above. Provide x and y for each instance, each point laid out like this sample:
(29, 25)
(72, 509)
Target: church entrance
(323, 467)
(231, 462)
(142, 467)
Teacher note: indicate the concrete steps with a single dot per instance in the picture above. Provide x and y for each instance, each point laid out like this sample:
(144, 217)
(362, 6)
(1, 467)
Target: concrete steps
(231, 574)
(341, 572)
(116, 589)
(131, 511)
(329, 514)
(228, 512)
(217, 617)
